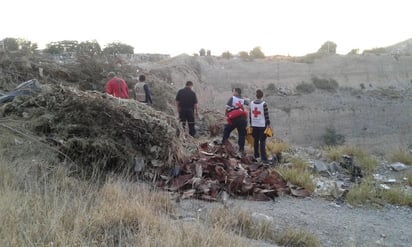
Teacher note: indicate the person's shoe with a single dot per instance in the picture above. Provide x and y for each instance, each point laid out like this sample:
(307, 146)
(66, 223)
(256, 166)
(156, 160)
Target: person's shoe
(256, 159)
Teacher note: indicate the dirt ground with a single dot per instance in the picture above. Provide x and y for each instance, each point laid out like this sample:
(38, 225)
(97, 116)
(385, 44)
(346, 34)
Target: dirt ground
(334, 224)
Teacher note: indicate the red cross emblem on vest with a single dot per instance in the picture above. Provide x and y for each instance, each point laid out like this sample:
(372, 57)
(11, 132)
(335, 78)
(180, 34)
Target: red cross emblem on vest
(256, 112)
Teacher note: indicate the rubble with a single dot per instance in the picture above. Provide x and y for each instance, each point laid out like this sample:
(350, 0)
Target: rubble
(215, 170)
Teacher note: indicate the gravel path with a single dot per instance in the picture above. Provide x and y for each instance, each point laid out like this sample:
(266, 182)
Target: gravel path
(335, 225)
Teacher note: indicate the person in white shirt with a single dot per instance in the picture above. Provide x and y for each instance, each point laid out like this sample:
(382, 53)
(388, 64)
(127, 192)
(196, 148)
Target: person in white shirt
(259, 120)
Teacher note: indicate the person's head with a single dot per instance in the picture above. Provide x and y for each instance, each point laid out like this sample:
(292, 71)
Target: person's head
(142, 78)
(259, 94)
(237, 91)
(111, 74)
(189, 84)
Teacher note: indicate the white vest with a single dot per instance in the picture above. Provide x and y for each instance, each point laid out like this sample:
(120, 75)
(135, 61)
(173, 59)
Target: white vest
(236, 99)
(257, 114)
(139, 91)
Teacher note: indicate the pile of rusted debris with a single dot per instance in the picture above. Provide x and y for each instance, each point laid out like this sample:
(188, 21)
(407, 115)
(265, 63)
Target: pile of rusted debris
(216, 169)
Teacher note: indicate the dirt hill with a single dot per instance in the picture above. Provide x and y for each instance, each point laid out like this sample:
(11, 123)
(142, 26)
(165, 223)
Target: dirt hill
(370, 106)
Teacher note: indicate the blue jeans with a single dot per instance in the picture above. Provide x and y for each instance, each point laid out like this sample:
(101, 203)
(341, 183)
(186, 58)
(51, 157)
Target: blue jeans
(240, 124)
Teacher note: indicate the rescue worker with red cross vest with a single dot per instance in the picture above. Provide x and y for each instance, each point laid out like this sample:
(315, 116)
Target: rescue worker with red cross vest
(259, 120)
(236, 117)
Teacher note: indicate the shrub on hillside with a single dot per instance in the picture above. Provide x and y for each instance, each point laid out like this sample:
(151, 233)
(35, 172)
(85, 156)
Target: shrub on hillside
(305, 88)
(376, 51)
(332, 138)
(329, 85)
(227, 55)
(271, 89)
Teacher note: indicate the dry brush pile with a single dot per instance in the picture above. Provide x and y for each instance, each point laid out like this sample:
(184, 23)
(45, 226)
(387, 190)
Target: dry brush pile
(97, 131)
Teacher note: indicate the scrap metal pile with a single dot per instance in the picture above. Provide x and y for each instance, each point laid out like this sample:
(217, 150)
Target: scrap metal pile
(216, 169)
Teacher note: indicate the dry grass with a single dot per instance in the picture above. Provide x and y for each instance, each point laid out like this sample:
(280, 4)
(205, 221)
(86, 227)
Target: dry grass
(397, 196)
(334, 153)
(43, 206)
(298, 173)
(276, 147)
(409, 177)
(370, 193)
(240, 222)
(363, 193)
(243, 223)
(292, 237)
(365, 161)
(402, 155)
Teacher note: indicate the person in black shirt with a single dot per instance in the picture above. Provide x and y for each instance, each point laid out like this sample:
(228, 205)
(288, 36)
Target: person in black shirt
(186, 103)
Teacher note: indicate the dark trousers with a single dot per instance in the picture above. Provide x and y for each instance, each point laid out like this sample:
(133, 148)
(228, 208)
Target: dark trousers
(240, 124)
(188, 115)
(259, 144)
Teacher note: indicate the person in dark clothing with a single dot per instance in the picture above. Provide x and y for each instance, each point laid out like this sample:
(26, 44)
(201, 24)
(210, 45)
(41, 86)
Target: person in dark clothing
(186, 103)
(237, 119)
(259, 120)
(142, 91)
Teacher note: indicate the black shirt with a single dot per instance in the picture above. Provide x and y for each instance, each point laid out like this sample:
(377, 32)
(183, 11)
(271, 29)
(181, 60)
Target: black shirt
(186, 98)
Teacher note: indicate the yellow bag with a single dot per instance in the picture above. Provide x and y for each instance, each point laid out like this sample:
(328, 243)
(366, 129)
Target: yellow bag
(249, 130)
(268, 132)
(250, 140)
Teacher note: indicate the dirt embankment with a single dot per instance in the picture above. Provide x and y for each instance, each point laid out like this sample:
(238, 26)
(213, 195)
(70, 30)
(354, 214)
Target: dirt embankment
(371, 106)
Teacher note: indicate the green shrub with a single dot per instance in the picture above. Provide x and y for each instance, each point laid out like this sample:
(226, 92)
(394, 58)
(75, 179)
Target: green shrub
(256, 53)
(305, 88)
(227, 55)
(376, 51)
(329, 85)
(332, 138)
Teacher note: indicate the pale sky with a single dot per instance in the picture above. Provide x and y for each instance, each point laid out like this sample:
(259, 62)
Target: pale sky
(279, 27)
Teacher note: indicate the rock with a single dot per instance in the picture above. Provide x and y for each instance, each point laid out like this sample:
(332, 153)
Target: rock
(398, 166)
(321, 167)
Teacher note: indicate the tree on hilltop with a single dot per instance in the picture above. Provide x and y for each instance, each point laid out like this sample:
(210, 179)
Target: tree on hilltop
(256, 53)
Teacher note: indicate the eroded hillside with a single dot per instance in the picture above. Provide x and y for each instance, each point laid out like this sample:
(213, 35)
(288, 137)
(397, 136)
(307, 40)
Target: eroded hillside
(370, 107)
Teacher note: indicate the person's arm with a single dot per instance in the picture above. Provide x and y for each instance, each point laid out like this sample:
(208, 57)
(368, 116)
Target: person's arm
(177, 106)
(109, 88)
(147, 93)
(126, 89)
(266, 112)
(196, 111)
(178, 101)
(229, 105)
